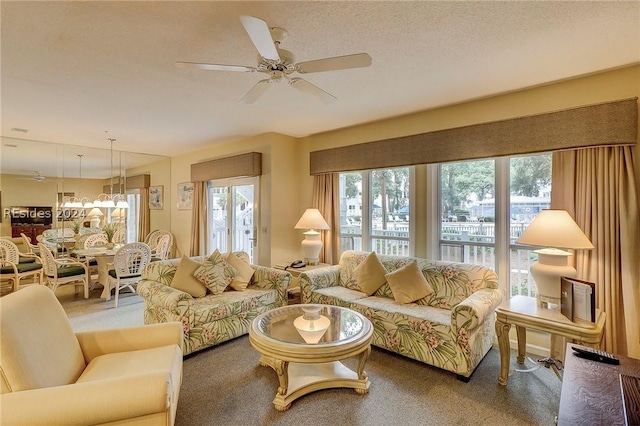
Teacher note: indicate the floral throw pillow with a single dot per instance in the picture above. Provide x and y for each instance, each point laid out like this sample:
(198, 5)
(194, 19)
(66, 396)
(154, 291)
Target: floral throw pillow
(215, 273)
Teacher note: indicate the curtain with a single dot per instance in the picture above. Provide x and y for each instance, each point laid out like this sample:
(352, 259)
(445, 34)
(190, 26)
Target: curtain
(198, 219)
(597, 187)
(326, 199)
(144, 222)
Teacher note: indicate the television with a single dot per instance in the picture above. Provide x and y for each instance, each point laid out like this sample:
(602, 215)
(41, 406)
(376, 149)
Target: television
(30, 215)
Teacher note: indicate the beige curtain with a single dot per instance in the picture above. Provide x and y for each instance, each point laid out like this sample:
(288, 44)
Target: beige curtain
(326, 199)
(144, 222)
(598, 187)
(198, 219)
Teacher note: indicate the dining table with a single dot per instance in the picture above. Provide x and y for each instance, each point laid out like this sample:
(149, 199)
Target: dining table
(104, 256)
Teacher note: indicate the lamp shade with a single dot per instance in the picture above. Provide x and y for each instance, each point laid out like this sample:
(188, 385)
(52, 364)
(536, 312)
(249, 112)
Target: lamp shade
(557, 229)
(312, 219)
(95, 212)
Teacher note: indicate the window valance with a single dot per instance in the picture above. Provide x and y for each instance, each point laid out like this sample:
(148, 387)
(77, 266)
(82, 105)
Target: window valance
(608, 123)
(138, 181)
(242, 165)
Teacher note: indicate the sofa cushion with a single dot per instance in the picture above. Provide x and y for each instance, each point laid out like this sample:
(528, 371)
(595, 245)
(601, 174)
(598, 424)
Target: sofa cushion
(217, 307)
(184, 280)
(408, 284)
(245, 272)
(336, 295)
(370, 274)
(119, 364)
(216, 273)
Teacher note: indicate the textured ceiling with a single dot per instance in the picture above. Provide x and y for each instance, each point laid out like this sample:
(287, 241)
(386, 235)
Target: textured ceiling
(71, 70)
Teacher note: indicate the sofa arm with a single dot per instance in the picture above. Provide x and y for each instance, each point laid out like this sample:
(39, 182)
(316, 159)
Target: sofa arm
(272, 279)
(95, 402)
(100, 342)
(175, 301)
(472, 311)
(316, 279)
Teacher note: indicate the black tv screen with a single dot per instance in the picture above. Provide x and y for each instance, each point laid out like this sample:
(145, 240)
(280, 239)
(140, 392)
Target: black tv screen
(31, 215)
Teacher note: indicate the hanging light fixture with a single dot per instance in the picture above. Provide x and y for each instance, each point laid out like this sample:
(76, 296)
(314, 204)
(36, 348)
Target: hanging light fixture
(75, 202)
(122, 185)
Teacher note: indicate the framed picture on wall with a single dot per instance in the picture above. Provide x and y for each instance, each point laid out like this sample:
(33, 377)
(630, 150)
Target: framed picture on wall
(156, 197)
(185, 196)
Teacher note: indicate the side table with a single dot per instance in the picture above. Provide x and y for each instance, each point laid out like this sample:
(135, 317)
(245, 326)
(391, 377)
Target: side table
(524, 312)
(293, 292)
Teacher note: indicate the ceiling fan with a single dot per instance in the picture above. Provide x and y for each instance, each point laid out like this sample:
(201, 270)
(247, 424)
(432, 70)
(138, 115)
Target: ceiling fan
(38, 178)
(279, 64)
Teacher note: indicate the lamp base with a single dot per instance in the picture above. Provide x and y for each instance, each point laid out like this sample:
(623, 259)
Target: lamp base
(552, 264)
(311, 247)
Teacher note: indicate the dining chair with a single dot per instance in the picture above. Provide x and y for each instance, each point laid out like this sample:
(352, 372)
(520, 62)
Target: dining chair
(57, 272)
(120, 237)
(155, 236)
(162, 248)
(99, 239)
(128, 264)
(13, 268)
(31, 248)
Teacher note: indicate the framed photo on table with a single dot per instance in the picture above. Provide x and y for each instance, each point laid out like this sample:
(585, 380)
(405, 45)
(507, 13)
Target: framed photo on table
(156, 197)
(185, 196)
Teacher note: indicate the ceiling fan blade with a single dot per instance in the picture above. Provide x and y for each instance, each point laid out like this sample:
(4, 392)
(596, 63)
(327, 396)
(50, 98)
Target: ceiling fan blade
(215, 67)
(358, 60)
(305, 87)
(255, 92)
(260, 35)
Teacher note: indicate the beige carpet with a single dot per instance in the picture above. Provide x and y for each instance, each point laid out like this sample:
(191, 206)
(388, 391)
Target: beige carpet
(225, 385)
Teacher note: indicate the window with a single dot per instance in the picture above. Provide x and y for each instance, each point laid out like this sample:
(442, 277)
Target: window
(374, 211)
(482, 200)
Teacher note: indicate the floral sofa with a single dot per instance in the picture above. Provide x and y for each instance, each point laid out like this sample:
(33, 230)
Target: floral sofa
(452, 328)
(211, 319)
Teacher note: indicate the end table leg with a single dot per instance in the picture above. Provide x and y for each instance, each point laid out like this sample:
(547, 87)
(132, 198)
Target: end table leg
(502, 331)
(521, 333)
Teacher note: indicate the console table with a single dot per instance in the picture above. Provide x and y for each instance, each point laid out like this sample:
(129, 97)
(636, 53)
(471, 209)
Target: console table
(524, 312)
(591, 392)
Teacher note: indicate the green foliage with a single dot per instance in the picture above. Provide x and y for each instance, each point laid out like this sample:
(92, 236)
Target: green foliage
(110, 229)
(529, 174)
(76, 225)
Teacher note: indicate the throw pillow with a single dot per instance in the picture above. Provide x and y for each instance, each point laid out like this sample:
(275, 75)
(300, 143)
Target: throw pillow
(408, 284)
(245, 272)
(370, 274)
(215, 273)
(185, 281)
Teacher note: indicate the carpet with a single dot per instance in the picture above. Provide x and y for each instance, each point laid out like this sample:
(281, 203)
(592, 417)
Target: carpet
(225, 385)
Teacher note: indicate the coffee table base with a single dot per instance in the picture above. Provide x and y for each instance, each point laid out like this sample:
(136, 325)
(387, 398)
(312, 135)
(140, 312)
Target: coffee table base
(297, 379)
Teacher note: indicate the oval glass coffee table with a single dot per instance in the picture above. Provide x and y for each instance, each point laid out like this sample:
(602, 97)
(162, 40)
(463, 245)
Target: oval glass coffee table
(303, 366)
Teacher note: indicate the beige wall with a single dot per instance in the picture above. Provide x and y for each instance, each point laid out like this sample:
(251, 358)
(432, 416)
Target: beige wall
(279, 204)
(160, 174)
(286, 183)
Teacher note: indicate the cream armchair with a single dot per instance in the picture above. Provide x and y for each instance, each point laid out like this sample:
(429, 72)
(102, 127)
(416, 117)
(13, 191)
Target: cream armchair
(51, 375)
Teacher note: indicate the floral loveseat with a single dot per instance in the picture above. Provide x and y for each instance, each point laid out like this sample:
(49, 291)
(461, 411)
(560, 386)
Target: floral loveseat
(452, 328)
(211, 319)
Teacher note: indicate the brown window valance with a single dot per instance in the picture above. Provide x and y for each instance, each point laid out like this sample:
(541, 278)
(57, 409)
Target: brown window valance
(138, 181)
(236, 166)
(609, 123)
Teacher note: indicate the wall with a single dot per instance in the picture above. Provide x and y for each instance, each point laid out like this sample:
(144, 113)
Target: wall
(160, 174)
(279, 205)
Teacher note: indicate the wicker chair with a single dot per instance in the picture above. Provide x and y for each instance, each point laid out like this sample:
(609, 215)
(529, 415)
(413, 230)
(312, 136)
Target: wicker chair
(128, 264)
(63, 271)
(14, 268)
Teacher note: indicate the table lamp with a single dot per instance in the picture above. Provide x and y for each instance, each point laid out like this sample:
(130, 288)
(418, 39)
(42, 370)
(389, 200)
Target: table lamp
(312, 244)
(95, 214)
(311, 325)
(555, 230)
